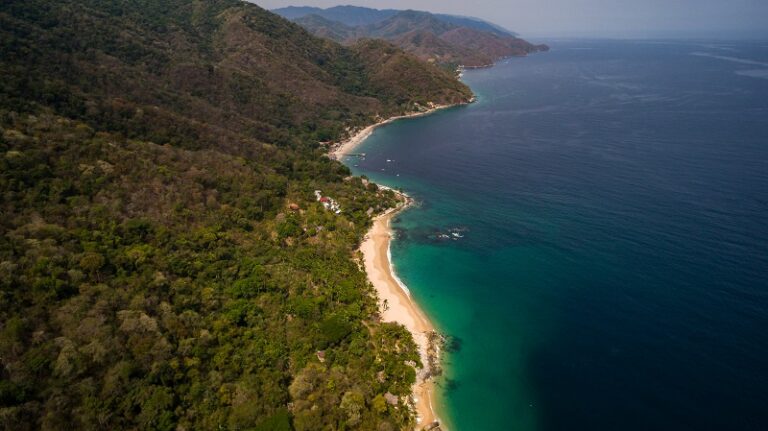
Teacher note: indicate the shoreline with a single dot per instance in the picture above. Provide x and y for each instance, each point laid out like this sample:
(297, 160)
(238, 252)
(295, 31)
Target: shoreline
(401, 308)
(340, 149)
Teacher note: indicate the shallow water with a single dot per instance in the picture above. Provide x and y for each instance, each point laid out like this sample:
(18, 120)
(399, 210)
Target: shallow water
(610, 263)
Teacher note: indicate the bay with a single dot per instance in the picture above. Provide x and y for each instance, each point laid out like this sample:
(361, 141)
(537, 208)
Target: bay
(592, 235)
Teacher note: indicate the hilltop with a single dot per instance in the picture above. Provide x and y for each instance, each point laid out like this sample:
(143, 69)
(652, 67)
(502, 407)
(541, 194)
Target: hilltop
(164, 263)
(360, 16)
(444, 39)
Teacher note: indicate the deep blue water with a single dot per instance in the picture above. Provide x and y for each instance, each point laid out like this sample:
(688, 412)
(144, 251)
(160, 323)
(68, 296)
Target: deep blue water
(613, 270)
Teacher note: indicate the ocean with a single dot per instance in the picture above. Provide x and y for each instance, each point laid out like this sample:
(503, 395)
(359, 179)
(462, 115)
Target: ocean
(592, 237)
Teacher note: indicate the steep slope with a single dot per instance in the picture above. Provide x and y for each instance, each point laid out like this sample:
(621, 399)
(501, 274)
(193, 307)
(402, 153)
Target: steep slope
(224, 68)
(360, 16)
(348, 15)
(321, 27)
(443, 39)
(451, 43)
(475, 23)
(163, 262)
(296, 12)
(356, 16)
(400, 76)
(491, 45)
(428, 46)
(334, 30)
(407, 21)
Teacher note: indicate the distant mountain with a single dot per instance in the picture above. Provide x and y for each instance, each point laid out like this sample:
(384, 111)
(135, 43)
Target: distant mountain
(407, 21)
(349, 15)
(358, 16)
(444, 39)
(294, 12)
(326, 28)
(475, 23)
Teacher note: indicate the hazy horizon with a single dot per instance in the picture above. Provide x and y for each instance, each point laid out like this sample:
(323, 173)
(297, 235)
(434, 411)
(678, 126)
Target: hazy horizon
(592, 18)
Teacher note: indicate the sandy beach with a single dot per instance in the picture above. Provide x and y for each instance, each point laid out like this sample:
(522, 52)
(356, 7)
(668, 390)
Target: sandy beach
(345, 147)
(400, 308)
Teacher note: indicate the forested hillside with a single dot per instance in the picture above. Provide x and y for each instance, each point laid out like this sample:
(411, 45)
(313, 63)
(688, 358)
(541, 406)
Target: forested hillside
(443, 39)
(163, 262)
(359, 16)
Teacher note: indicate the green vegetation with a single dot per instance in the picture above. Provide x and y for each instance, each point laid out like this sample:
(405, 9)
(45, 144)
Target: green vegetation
(446, 40)
(153, 272)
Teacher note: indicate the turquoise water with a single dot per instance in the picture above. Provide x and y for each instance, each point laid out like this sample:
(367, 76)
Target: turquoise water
(609, 268)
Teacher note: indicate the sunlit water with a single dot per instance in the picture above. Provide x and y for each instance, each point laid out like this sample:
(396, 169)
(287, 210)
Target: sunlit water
(610, 263)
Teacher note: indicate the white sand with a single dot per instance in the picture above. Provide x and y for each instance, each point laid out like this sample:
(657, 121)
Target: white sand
(400, 307)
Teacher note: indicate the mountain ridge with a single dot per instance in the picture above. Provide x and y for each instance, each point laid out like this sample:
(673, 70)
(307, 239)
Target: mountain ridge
(454, 40)
(359, 15)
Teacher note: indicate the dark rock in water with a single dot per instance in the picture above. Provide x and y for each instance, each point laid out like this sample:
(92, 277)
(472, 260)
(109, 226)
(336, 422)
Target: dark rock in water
(399, 233)
(450, 384)
(441, 235)
(452, 344)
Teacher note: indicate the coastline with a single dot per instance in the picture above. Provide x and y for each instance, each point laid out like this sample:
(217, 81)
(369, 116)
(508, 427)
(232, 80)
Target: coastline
(401, 308)
(395, 301)
(339, 150)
